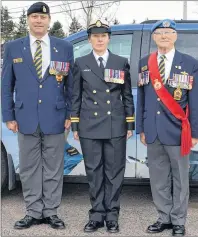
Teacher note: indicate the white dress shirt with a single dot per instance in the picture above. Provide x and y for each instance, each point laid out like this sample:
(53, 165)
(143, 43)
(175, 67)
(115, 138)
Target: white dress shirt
(168, 61)
(105, 57)
(45, 45)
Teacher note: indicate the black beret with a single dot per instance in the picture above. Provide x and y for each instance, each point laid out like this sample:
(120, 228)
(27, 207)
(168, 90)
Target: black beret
(98, 27)
(38, 7)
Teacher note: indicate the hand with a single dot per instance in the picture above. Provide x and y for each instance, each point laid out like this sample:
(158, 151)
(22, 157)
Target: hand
(194, 141)
(129, 134)
(12, 125)
(67, 124)
(143, 139)
(76, 137)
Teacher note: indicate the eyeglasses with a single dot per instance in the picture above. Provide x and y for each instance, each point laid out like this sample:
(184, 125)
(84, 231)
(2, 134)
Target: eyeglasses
(164, 32)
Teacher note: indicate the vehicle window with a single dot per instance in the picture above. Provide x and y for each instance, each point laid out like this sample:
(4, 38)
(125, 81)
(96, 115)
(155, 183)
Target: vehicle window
(81, 48)
(119, 44)
(186, 43)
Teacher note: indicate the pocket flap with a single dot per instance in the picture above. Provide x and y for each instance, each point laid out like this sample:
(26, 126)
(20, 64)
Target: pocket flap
(60, 105)
(18, 104)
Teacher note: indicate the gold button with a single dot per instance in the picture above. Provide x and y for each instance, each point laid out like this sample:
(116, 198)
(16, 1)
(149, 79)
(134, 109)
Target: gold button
(108, 112)
(40, 101)
(158, 112)
(95, 102)
(41, 86)
(108, 102)
(158, 99)
(107, 90)
(94, 91)
(95, 113)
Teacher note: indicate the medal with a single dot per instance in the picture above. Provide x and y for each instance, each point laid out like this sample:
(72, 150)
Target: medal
(178, 91)
(190, 83)
(157, 84)
(178, 94)
(52, 71)
(59, 77)
(140, 80)
(114, 76)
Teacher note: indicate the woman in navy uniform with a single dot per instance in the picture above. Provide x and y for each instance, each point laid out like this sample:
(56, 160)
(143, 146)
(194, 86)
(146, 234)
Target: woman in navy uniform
(102, 119)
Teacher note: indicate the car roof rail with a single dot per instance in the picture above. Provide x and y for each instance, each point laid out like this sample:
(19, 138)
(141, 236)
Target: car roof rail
(177, 21)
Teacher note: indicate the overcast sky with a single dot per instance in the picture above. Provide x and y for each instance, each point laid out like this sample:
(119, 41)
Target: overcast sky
(126, 11)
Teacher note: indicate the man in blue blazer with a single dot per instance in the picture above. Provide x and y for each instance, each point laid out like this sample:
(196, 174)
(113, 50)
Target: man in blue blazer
(167, 115)
(38, 69)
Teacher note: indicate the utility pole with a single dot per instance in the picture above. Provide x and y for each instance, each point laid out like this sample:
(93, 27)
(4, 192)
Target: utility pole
(184, 10)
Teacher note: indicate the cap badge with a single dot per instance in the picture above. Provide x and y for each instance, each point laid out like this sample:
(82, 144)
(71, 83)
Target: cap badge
(98, 23)
(166, 24)
(44, 9)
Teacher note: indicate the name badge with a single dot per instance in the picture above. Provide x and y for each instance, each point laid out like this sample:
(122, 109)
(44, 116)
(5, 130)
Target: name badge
(17, 60)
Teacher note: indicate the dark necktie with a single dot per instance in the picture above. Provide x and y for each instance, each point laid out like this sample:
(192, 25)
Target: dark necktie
(101, 65)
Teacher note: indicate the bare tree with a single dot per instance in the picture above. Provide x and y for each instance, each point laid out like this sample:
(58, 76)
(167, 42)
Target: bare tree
(66, 7)
(90, 10)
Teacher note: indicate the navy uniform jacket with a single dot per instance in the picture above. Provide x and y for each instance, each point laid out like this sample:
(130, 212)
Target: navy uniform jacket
(153, 118)
(101, 110)
(37, 101)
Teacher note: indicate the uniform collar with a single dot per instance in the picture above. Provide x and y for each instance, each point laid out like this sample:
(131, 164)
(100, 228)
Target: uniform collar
(45, 39)
(169, 55)
(104, 56)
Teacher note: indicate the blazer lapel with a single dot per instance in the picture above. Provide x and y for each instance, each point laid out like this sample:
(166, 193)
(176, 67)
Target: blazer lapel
(110, 62)
(92, 64)
(53, 55)
(26, 50)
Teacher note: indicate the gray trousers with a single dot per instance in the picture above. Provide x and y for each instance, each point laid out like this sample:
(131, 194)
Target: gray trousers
(41, 164)
(169, 177)
(105, 166)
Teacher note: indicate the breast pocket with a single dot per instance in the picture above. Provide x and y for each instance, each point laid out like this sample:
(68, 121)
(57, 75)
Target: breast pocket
(19, 66)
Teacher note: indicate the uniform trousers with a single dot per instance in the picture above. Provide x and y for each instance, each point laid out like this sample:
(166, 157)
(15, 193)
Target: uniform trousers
(105, 161)
(169, 178)
(41, 166)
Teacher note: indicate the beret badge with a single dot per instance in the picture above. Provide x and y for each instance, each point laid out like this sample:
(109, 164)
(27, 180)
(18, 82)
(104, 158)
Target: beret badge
(166, 24)
(44, 9)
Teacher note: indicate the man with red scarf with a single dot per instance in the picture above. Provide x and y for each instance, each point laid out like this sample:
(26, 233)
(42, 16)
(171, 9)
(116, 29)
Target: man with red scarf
(167, 121)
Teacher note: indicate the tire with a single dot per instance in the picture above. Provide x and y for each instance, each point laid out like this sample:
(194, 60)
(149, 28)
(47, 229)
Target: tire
(4, 168)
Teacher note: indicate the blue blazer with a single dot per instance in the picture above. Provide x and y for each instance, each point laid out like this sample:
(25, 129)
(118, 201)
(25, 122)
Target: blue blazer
(43, 102)
(153, 118)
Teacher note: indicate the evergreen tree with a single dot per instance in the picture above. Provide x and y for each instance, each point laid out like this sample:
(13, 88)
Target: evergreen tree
(116, 22)
(57, 30)
(7, 25)
(75, 26)
(21, 27)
